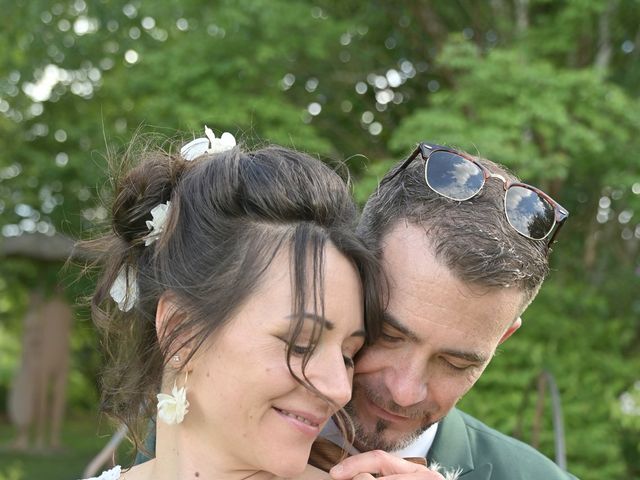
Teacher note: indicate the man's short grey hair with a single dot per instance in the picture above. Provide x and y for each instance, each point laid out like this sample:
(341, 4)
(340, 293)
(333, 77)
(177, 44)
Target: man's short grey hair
(472, 238)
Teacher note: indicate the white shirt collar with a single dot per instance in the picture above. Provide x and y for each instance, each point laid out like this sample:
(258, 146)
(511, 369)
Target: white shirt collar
(418, 448)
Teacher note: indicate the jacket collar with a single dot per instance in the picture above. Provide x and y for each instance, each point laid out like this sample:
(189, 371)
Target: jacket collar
(452, 449)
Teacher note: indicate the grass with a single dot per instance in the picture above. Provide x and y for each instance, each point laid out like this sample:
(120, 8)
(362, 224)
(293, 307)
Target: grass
(82, 438)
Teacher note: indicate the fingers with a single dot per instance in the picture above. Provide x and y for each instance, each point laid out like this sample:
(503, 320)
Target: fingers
(401, 476)
(426, 475)
(364, 476)
(383, 465)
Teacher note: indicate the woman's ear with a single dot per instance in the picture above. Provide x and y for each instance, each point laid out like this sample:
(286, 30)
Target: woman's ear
(165, 314)
(168, 318)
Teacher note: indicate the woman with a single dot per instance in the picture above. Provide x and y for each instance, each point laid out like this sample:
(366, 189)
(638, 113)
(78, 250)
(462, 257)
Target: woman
(234, 297)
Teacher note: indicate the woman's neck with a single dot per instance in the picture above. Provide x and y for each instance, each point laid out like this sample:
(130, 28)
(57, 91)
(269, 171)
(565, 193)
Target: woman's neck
(158, 470)
(184, 454)
(161, 470)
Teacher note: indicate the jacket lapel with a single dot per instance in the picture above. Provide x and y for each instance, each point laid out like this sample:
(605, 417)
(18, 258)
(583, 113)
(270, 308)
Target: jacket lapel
(452, 449)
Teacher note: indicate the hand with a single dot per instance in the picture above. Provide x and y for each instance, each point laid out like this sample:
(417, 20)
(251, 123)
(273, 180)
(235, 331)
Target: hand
(382, 464)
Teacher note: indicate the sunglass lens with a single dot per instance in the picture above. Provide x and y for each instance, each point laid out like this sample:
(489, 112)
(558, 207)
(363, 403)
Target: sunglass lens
(453, 176)
(529, 213)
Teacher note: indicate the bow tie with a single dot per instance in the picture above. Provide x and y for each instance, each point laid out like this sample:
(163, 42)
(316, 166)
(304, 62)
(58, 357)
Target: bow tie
(326, 454)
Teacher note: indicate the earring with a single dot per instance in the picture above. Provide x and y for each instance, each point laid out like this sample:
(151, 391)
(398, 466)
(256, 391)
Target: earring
(176, 358)
(173, 407)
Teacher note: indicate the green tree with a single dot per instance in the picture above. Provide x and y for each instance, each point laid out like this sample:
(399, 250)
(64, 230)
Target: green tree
(548, 88)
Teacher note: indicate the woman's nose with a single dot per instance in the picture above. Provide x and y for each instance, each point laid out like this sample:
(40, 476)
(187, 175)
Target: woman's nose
(332, 377)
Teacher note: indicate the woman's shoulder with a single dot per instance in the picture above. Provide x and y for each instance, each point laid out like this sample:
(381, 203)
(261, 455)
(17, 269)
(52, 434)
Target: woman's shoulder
(113, 474)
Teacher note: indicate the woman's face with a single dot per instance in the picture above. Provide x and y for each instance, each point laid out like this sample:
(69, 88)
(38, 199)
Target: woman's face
(245, 405)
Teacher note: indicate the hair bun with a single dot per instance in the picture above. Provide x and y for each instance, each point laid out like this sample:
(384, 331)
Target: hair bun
(140, 190)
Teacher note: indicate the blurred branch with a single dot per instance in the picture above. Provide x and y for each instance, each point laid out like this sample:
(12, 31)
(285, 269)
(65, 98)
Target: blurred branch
(431, 23)
(38, 246)
(603, 57)
(107, 453)
(522, 16)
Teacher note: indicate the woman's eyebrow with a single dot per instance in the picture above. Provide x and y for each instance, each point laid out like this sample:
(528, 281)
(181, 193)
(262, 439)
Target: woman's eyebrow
(328, 324)
(316, 318)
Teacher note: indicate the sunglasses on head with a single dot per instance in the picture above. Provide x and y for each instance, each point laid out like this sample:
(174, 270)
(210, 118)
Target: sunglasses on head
(455, 175)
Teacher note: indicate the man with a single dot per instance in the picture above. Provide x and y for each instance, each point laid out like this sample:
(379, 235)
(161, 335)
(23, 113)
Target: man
(464, 256)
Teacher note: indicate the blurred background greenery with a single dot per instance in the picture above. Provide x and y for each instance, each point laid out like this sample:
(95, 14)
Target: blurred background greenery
(548, 88)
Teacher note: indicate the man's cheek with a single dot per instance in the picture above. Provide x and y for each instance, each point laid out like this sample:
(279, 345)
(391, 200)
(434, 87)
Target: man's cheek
(371, 360)
(471, 378)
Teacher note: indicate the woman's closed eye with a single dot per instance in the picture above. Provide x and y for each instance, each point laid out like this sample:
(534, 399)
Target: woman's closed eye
(348, 361)
(300, 350)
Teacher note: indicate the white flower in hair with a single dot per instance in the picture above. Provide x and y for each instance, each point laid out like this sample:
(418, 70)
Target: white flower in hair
(222, 144)
(210, 144)
(124, 290)
(172, 408)
(156, 226)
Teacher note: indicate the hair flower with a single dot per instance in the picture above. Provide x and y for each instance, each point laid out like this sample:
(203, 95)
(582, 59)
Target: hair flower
(222, 144)
(124, 290)
(172, 408)
(156, 226)
(208, 144)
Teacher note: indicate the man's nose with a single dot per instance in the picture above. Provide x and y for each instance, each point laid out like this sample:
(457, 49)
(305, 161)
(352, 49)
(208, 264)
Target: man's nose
(408, 385)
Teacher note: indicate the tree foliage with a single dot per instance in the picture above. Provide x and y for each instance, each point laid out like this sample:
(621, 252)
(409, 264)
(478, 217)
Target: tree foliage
(550, 89)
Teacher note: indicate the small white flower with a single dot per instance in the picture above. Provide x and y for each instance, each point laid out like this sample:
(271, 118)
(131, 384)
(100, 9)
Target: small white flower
(222, 144)
(124, 290)
(210, 144)
(453, 474)
(194, 148)
(172, 408)
(113, 474)
(156, 226)
(447, 474)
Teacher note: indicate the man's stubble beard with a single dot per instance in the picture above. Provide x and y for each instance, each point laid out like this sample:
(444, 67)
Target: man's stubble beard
(366, 440)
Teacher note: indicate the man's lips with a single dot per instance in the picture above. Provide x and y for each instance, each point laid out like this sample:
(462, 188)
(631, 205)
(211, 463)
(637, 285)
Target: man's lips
(384, 414)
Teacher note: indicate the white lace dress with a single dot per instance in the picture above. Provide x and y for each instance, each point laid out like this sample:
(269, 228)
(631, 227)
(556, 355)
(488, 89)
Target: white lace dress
(113, 474)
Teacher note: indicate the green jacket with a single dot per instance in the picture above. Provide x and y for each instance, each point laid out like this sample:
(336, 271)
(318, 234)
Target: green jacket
(486, 454)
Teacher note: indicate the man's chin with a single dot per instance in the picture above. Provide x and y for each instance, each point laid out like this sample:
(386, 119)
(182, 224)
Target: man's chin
(384, 428)
(383, 437)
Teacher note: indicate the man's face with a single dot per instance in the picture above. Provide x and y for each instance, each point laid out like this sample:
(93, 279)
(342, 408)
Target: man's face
(439, 336)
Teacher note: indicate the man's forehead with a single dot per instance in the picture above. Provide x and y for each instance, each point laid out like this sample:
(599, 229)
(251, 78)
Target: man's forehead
(403, 233)
(408, 257)
(427, 297)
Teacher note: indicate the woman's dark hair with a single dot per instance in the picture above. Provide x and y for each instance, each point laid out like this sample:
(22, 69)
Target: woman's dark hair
(230, 214)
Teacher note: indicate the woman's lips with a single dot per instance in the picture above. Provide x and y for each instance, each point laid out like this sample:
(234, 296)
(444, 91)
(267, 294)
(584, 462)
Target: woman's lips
(305, 422)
